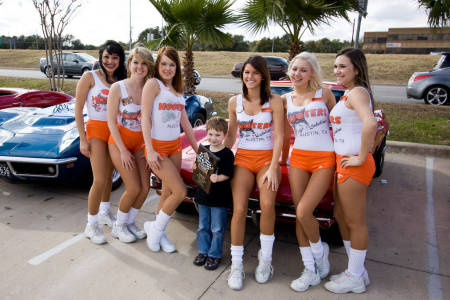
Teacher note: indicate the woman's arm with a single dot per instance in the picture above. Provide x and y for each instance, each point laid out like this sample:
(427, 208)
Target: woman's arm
(286, 135)
(112, 110)
(230, 139)
(359, 100)
(83, 86)
(329, 98)
(187, 128)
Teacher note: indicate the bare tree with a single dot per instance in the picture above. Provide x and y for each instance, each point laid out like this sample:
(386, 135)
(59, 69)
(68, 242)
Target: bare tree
(55, 15)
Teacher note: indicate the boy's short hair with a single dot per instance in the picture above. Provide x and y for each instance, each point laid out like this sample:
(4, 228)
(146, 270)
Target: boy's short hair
(218, 124)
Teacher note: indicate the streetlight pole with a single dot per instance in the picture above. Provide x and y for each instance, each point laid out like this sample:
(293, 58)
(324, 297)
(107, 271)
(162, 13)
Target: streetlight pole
(363, 6)
(130, 26)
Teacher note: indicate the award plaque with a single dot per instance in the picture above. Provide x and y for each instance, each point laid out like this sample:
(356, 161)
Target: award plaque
(206, 165)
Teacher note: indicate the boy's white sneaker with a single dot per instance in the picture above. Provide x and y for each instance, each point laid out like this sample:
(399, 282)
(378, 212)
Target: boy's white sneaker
(345, 284)
(95, 234)
(166, 245)
(153, 236)
(323, 265)
(365, 277)
(236, 277)
(264, 270)
(136, 231)
(307, 279)
(122, 233)
(107, 219)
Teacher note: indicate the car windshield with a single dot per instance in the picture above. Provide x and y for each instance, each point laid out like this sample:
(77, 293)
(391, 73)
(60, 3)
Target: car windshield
(86, 57)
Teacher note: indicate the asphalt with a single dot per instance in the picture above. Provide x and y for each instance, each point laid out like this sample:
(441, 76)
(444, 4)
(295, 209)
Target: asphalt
(418, 149)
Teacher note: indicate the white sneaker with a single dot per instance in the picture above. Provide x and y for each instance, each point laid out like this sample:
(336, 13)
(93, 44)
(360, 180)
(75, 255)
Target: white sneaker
(153, 236)
(107, 219)
(95, 234)
(166, 245)
(264, 270)
(346, 283)
(307, 279)
(122, 233)
(136, 231)
(236, 277)
(365, 277)
(323, 265)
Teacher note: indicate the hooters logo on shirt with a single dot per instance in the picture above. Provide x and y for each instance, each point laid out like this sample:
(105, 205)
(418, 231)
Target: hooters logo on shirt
(101, 97)
(315, 112)
(251, 125)
(170, 106)
(335, 120)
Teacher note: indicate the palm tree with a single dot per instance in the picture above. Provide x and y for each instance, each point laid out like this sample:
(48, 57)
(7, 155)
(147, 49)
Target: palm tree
(438, 12)
(189, 21)
(293, 16)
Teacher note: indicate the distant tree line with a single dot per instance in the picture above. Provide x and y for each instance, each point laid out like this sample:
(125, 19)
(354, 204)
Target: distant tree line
(37, 42)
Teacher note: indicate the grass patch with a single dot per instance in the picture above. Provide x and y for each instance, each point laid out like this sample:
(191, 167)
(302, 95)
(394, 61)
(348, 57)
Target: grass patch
(416, 123)
(383, 68)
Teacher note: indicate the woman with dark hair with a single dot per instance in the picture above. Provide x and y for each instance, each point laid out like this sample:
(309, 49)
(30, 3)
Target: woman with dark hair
(93, 90)
(163, 112)
(259, 117)
(354, 128)
(126, 143)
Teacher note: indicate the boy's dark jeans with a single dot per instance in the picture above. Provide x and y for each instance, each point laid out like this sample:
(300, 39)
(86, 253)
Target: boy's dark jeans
(212, 222)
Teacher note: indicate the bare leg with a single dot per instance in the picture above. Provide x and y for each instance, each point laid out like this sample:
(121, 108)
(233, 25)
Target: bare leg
(144, 175)
(298, 180)
(267, 203)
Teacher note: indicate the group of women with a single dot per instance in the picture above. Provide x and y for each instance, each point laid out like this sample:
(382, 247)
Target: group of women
(139, 122)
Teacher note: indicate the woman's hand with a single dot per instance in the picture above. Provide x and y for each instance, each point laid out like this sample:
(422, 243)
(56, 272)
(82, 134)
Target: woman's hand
(153, 159)
(85, 148)
(351, 161)
(214, 178)
(127, 159)
(272, 179)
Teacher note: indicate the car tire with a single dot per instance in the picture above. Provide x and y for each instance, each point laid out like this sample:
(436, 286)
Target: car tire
(436, 95)
(116, 180)
(84, 70)
(379, 158)
(332, 235)
(186, 208)
(199, 119)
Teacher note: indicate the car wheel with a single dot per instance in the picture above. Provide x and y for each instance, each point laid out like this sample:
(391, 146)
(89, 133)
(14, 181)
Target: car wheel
(186, 208)
(48, 72)
(379, 158)
(436, 95)
(199, 120)
(116, 180)
(332, 235)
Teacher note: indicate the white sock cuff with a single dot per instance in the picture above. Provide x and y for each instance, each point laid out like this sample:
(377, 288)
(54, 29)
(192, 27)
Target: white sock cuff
(104, 207)
(267, 238)
(92, 219)
(132, 213)
(122, 217)
(162, 219)
(318, 243)
(237, 252)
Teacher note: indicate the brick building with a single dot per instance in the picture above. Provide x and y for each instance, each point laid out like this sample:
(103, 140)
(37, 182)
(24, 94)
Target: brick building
(407, 40)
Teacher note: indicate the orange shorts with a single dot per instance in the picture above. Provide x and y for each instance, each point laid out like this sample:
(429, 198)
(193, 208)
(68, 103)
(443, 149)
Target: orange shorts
(253, 160)
(363, 173)
(166, 148)
(311, 161)
(97, 129)
(133, 140)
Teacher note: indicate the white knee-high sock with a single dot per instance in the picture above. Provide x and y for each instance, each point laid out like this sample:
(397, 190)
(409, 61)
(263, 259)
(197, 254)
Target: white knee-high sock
(132, 215)
(237, 252)
(122, 217)
(266, 246)
(347, 245)
(317, 249)
(162, 219)
(92, 219)
(307, 258)
(356, 262)
(104, 207)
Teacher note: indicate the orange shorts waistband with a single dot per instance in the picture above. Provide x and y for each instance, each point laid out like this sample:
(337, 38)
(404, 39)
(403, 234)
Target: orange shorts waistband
(97, 129)
(311, 161)
(133, 140)
(166, 148)
(363, 173)
(253, 160)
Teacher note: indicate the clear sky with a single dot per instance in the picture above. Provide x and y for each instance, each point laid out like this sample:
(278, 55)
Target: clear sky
(99, 20)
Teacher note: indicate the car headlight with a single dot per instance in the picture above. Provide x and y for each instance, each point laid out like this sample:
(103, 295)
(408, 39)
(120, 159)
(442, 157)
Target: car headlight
(5, 135)
(68, 139)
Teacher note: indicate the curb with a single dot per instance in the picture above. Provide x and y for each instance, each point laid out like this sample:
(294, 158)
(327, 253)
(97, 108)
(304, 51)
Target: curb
(419, 149)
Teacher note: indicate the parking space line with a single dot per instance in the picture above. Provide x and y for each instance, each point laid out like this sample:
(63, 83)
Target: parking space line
(434, 280)
(46, 255)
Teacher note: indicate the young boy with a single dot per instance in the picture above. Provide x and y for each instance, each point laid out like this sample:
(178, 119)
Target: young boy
(212, 207)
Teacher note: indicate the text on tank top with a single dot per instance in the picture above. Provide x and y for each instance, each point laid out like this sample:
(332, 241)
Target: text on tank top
(255, 132)
(310, 123)
(347, 127)
(96, 99)
(129, 115)
(166, 114)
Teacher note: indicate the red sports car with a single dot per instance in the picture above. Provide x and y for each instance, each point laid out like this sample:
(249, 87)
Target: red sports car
(16, 97)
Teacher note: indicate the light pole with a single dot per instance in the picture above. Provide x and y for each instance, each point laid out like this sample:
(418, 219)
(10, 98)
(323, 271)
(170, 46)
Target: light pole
(363, 6)
(130, 26)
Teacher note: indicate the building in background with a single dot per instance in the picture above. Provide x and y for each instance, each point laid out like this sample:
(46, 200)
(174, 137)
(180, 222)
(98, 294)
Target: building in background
(407, 40)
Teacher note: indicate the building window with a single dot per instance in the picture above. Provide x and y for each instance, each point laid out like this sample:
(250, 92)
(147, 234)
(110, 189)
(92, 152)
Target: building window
(422, 38)
(393, 37)
(381, 40)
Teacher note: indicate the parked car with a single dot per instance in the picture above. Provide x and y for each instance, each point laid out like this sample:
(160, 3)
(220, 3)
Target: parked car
(285, 210)
(433, 87)
(278, 67)
(16, 97)
(74, 64)
(43, 143)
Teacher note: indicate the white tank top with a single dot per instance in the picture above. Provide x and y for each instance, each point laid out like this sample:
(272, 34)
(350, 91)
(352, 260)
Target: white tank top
(96, 99)
(347, 128)
(129, 115)
(310, 123)
(255, 132)
(166, 114)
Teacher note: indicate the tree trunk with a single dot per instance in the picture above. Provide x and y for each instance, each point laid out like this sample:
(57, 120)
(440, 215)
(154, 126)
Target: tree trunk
(188, 65)
(294, 49)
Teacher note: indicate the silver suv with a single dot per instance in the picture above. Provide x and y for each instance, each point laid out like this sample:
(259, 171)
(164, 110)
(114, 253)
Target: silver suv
(75, 64)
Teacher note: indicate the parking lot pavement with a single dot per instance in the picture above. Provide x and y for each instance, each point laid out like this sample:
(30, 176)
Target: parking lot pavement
(44, 256)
